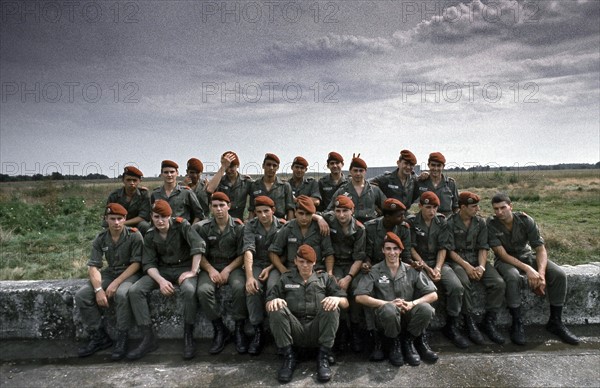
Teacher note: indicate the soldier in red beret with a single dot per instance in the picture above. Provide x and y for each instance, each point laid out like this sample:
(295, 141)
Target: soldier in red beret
(329, 183)
(192, 179)
(273, 187)
(400, 183)
(302, 185)
(431, 240)
(444, 187)
(229, 181)
(121, 246)
(367, 198)
(134, 198)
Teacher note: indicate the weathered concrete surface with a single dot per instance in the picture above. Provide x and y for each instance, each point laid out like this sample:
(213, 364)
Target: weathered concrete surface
(45, 309)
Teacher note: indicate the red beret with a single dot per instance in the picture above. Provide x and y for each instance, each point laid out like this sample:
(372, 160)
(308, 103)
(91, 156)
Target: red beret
(468, 198)
(169, 163)
(305, 203)
(195, 165)
(408, 156)
(130, 170)
(263, 200)
(301, 161)
(429, 198)
(115, 208)
(307, 253)
(393, 238)
(162, 208)
(344, 202)
(393, 204)
(436, 157)
(220, 196)
(357, 162)
(236, 161)
(273, 157)
(335, 156)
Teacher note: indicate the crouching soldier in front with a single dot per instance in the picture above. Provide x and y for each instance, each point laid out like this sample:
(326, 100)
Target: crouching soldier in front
(304, 310)
(401, 298)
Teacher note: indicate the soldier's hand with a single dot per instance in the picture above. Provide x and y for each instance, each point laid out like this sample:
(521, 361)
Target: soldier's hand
(330, 303)
(215, 276)
(534, 279)
(225, 276)
(323, 226)
(186, 275)
(251, 286)
(366, 267)
(111, 290)
(345, 282)
(417, 264)
(264, 274)
(166, 288)
(276, 304)
(101, 299)
(423, 176)
(227, 159)
(472, 273)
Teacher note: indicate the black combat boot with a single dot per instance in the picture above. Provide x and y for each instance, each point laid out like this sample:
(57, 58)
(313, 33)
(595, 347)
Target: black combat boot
(488, 326)
(424, 350)
(148, 344)
(453, 333)
(357, 342)
(323, 369)
(472, 331)
(410, 354)
(120, 349)
(189, 346)
(258, 340)
(220, 336)
(285, 373)
(241, 342)
(556, 326)
(377, 347)
(517, 330)
(99, 340)
(395, 356)
(341, 337)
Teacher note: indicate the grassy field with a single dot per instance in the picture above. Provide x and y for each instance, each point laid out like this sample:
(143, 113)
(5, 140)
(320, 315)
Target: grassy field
(46, 228)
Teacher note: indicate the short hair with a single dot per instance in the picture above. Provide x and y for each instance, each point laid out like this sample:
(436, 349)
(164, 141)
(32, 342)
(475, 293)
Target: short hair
(501, 197)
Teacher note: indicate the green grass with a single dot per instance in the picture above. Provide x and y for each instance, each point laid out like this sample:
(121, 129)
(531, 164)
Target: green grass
(46, 228)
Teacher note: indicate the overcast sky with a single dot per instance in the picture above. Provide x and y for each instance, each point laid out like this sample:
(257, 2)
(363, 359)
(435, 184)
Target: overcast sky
(89, 86)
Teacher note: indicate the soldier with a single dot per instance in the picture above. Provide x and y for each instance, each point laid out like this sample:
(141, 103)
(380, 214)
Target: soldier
(401, 298)
(193, 173)
(348, 239)
(121, 246)
(443, 187)
(400, 183)
(367, 198)
(304, 311)
(273, 187)
(229, 181)
(181, 198)
(224, 237)
(259, 233)
(329, 184)
(516, 242)
(469, 255)
(134, 198)
(302, 185)
(172, 255)
(431, 241)
(301, 230)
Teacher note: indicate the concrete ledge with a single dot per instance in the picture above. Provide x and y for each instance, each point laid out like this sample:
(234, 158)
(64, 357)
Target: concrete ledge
(46, 309)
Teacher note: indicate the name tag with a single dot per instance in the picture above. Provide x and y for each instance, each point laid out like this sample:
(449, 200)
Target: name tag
(212, 238)
(257, 192)
(460, 231)
(292, 239)
(333, 230)
(327, 188)
(104, 249)
(394, 187)
(422, 188)
(499, 234)
(292, 286)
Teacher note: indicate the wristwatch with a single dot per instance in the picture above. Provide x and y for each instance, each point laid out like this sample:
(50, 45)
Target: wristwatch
(97, 290)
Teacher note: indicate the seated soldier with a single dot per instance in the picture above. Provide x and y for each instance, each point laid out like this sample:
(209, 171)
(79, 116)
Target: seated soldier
(401, 298)
(304, 311)
(134, 198)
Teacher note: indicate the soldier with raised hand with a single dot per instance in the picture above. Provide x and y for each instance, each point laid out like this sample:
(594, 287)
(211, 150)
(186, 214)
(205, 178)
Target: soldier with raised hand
(329, 183)
(273, 187)
(229, 181)
(301, 185)
(444, 187)
(519, 248)
(121, 247)
(400, 183)
(469, 255)
(134, 198)
(194, 170)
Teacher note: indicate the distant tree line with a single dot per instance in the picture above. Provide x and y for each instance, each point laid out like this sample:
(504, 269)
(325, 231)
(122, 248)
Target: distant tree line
(561, 166)
(55, 176)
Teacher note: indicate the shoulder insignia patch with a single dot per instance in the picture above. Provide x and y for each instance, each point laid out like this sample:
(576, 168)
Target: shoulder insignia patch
(238, 221)
(179, 219)
(360, 224)
(134, 230)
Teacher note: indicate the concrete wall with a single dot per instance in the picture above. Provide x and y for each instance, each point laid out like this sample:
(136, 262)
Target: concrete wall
(46, 309)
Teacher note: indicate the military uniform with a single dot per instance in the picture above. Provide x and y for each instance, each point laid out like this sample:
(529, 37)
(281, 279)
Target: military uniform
(257, 240)
(171, 257)
(365, 204)
(308, 187)
(446, 192)
(519, 243)
(202, 196)
(221, 249)
(467, 242)
(427, 241)
(392, 187)
(118, 257)
(237, 192)
(408, 284)
(375, 234)
(304, 322)
(280, 193)
(139, 206)
(182, 200)
(327, 188)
